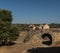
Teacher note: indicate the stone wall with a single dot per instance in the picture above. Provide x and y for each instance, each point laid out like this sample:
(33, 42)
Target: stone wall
(36, 37)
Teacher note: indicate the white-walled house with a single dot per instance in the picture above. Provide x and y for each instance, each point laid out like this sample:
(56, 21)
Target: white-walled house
(46, 26)
(41, 27)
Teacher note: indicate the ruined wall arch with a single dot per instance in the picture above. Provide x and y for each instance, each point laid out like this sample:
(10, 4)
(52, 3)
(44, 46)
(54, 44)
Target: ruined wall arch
(36, 37)
(49, 35)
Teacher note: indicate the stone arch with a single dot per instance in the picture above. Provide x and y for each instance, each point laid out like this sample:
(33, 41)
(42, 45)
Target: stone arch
(47, 38)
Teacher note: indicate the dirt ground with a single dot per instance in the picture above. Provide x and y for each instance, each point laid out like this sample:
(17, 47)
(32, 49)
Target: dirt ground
(19, 47)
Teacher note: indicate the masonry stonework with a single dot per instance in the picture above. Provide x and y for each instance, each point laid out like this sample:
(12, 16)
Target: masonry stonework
(49, 37)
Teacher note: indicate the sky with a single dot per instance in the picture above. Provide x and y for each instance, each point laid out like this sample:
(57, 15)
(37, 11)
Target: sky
(33, 11)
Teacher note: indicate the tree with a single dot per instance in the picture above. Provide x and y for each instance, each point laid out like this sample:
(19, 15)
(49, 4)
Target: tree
(6, 30)
(13, 33)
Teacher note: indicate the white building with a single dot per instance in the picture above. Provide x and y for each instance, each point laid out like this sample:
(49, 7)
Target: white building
(46, 26)
(32, 26)
(41, 27)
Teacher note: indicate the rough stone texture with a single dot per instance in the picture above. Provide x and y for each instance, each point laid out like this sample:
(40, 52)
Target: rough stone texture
(35, 40)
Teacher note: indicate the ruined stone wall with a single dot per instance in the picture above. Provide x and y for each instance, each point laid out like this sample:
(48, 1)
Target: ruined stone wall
(36, 37)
